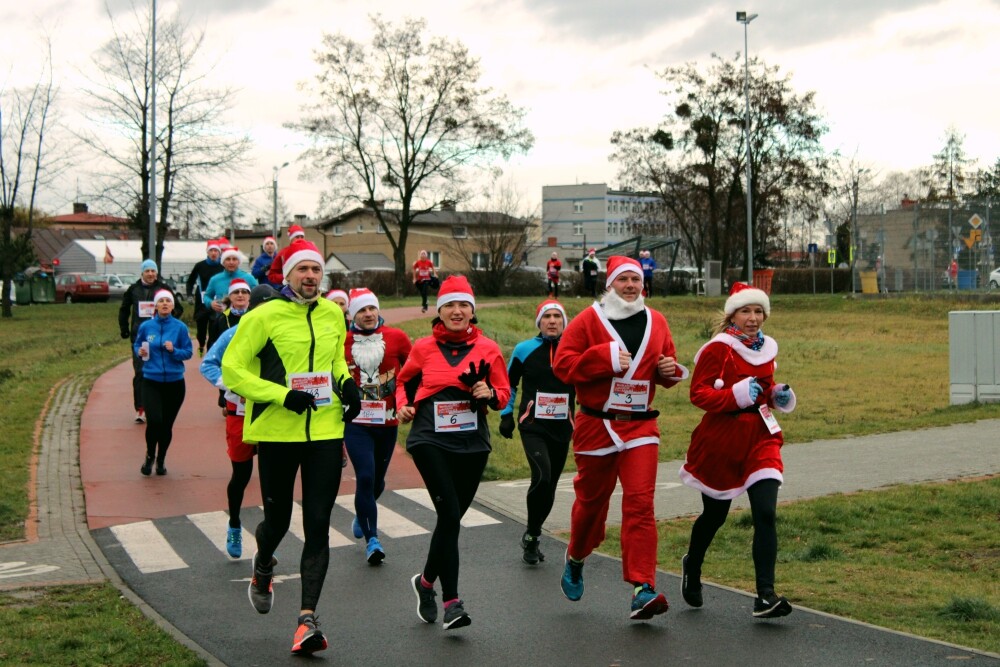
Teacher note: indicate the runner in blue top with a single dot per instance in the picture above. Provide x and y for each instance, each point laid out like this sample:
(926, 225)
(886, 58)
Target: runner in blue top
(648, 266)
(218, 286)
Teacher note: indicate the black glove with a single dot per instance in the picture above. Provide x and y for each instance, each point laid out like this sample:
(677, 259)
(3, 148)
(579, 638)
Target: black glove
(299, 401)
(351, 399)
(507, 425)
(124, 333)
(474, 375)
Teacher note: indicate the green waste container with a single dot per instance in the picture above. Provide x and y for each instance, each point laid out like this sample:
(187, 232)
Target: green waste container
(22, 289)
(43, 287)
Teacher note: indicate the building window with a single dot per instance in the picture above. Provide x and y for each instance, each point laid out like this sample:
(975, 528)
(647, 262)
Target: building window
(578, 207)
(480, 260)
(610, 226)
(378, 228)
(435, 258)
(338, 230)
(577, 229)
(459, 232)
(361, 228)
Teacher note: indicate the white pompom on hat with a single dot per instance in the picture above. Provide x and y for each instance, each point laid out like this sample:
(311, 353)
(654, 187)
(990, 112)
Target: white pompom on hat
(455, 288)
(618, 265)
(360, 298)
(301, 250)
(742, 294)
(546, 306)
(231, 251)
(238, 283)
(163, 294)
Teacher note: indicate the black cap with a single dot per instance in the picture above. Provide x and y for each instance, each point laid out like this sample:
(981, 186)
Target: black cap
(260, 294)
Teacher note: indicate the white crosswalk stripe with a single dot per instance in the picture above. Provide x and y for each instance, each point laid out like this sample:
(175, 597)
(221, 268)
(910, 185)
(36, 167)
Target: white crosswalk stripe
(337, 539)
(471, 519)
(389, 523)
(148, 549)
(215, 526)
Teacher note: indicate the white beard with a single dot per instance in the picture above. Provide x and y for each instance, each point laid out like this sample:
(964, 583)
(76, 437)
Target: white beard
(368, 352)
(617, 308)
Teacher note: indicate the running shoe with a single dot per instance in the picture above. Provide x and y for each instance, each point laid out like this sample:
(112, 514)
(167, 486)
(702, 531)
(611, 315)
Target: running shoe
(356, 528)
(771, 606)
(690, 585)
(147, 466)
(308, 638)
(647, 603)
(140, 416)
(572, 579)
(427, 609)
(531, 553)
(234, 542)
(374, 553)
(161, 469)
(455, 616)
(261, 588)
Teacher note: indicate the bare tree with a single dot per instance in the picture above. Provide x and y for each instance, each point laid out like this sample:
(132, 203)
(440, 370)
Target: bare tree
(25, 119)
(192, 140)
(402, 122)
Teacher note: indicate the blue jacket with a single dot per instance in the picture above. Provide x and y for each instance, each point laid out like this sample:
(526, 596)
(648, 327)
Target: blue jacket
(261, 265)
(218, 286)
(163, 366)
(211, 365)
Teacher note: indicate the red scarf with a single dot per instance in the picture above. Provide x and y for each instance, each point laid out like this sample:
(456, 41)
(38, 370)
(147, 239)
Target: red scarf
(443, 334)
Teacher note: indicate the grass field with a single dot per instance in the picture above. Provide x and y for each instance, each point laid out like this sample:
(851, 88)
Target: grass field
(930, 553)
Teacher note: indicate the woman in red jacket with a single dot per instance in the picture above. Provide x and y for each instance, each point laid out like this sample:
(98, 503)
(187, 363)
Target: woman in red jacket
(737, 446)
(444, 389)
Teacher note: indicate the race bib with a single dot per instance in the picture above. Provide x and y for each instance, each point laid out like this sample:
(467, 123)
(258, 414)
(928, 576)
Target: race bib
(629, 395)
(454, 417)
(147, 309)
(372, 412)
(320, 385)
(772, 423)
(551, 406)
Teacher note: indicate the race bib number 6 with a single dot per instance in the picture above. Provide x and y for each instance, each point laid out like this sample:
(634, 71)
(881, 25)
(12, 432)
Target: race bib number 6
(454, 417)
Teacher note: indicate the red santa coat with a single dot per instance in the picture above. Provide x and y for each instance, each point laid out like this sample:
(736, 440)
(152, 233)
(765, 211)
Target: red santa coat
(587, 358)
(374, 360)
(732, 448)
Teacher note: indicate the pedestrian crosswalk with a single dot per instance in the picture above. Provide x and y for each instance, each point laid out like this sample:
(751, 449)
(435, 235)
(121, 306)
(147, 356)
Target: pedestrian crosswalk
(151, 552)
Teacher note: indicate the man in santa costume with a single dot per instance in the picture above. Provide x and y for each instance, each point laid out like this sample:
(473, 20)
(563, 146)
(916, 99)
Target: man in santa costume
(737, 446)
(614, 354)
(275, 273)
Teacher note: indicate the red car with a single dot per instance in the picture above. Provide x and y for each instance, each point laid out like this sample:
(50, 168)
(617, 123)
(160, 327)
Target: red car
(72, 287)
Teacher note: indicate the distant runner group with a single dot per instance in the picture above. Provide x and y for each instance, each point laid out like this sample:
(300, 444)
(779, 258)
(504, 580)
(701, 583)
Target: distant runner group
(308, 380)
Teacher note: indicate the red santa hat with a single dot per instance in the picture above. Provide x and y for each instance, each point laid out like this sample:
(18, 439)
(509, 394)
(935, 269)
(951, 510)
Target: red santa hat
(337, 294)
(360, 298)
(213, 244)
(269, 239)
(163, 294)
(238, 283)
(618, 265)
(546, 306)
(295, 231)
(455, 288)
(300, 250)
(742, 294)
(230, 251)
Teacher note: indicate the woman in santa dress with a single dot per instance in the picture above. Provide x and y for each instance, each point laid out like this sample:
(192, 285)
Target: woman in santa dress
(737, 446)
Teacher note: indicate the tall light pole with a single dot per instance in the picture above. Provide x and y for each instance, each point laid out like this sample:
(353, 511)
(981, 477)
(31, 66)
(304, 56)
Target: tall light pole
(274, 193)
(745, 19)
(152, 135)
(854, 227)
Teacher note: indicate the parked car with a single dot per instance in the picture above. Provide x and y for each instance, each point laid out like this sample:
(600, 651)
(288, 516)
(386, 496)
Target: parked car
(118, 283)
(72, 287)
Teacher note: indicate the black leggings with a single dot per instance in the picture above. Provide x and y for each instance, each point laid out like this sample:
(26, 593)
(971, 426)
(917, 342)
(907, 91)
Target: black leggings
(423, 286)
(763, 503)
(451, 480)
(242, 470)
(546, 457)
(278, 463)
(162, 401)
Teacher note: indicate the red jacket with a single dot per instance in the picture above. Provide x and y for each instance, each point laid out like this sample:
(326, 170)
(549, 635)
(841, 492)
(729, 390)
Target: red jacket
(389, 347)
(587, 358)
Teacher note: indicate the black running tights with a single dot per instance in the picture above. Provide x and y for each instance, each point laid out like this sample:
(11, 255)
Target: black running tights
(452, 480)
(162, 401)
(278, 463)
(546, 457)
(242, 470)
(763, 503)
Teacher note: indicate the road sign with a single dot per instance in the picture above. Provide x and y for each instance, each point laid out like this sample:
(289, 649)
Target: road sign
(813, 248)
(975, 221)
(831, 256)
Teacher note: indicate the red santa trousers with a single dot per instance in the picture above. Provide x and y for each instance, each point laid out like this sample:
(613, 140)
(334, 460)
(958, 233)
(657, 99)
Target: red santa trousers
(594, 483)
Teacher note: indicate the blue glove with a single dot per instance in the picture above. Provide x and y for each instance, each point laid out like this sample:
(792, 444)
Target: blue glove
(753, 389)
(782, 396)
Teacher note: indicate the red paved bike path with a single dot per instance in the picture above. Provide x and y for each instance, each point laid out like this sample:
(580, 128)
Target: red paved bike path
(112, 447)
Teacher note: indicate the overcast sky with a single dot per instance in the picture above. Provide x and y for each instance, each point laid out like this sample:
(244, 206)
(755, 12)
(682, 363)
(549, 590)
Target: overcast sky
(890, 75)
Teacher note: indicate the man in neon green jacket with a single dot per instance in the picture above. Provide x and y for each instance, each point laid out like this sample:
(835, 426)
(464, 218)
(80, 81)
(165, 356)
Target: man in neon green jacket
(287, 360)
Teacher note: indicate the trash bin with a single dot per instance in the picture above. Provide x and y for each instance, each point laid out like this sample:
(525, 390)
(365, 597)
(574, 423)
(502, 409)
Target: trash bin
(869, 282)
(968, 279)
(22, 290)
(762, 280)
(43, 287)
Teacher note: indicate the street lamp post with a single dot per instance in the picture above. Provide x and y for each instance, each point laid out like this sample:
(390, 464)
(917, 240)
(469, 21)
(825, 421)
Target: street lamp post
(854, 228)
(274, 201)
(744, 18)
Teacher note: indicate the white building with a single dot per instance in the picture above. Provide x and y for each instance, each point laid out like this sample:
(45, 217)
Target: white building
(87, 255)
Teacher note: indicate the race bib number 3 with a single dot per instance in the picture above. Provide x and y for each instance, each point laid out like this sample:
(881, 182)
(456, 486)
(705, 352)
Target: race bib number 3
(551, 406)
(454, 417)
(372, 412)
(630, 395)
(320, 385)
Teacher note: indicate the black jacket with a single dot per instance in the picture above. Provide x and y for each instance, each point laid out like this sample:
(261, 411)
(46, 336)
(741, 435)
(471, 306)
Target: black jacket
(135, 293)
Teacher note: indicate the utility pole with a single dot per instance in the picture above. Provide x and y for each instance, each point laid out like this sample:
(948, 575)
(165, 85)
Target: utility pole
(742, 17)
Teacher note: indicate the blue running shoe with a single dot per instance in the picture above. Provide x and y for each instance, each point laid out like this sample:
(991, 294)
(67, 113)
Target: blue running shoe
(647, 603)
(356, 529)
(374, 552)
(234, 542)
(572, 580)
